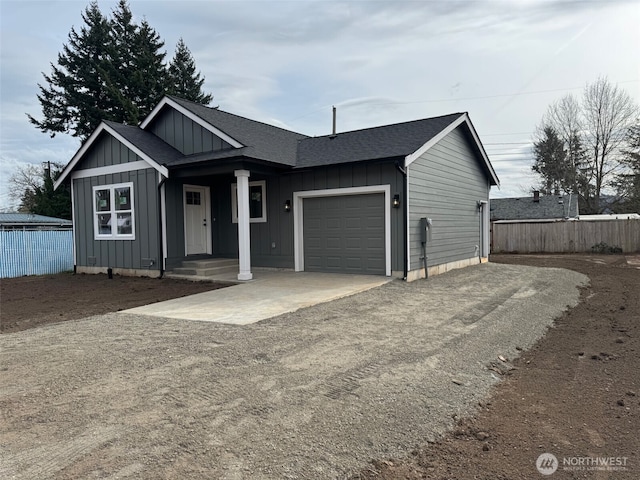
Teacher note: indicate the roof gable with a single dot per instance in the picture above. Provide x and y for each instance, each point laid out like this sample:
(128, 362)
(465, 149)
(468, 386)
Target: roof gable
(143, 144)
(464, 121)
(178, 105)
(264, 141)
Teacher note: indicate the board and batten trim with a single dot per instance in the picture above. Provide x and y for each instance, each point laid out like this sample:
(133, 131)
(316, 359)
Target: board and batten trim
(103, 127)
(110, 169)
(298, 218)
(190, 115)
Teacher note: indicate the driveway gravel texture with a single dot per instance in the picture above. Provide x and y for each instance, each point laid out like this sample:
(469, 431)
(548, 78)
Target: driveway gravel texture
(315, 393)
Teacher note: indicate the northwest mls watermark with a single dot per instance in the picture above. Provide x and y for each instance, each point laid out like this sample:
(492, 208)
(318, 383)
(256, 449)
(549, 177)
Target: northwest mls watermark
(548, 464)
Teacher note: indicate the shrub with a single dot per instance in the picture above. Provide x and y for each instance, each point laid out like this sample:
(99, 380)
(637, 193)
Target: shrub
(602, 247)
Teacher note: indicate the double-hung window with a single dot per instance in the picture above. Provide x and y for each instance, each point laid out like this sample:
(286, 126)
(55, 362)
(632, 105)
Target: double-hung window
(257, 202)
(113, 213)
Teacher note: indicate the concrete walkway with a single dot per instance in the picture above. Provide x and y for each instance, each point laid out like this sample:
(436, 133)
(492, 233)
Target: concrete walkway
(270, 294)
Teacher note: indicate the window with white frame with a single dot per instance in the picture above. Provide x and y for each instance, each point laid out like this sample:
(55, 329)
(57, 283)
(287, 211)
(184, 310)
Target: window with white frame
(257, 202)
(113, 213)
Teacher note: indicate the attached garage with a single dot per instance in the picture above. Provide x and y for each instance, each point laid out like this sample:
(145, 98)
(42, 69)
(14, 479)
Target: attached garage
(344, 234)
(343, 230)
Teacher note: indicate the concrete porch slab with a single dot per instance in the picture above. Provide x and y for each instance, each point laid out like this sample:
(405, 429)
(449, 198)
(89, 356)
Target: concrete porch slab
(269, 294)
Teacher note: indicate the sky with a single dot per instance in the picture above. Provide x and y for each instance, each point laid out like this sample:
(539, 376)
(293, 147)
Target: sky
(379, 62)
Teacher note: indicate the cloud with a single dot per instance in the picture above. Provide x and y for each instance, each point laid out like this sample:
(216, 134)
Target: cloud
(287, 63)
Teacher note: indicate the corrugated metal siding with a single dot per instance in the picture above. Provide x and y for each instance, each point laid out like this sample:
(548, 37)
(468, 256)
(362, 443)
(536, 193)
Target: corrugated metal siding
(444, 184)
(184, 134)
(35, 252)
(119, 253)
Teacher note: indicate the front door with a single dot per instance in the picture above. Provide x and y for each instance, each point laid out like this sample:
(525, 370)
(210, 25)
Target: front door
(197, 224)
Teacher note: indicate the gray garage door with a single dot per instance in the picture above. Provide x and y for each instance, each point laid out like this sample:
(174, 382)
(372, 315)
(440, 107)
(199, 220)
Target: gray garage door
(344, 234)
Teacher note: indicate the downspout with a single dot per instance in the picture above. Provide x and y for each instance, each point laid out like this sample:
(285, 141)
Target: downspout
(405, 201)
(160, 212)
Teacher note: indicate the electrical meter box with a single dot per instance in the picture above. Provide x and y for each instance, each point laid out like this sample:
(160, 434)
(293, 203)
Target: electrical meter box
(425, 229)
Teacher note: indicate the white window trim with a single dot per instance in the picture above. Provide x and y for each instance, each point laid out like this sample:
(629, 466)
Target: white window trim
(298, 218)
(114, 231)
(234, 202)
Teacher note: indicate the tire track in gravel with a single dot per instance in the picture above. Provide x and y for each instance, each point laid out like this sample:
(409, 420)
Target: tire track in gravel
(45, 462)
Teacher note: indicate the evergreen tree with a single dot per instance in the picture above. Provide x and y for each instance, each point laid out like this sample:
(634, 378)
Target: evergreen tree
(112, 69)
(593, 131)
(122, 49)
(185, 82)
(150, 79)
(50, 202)
(77, 95)
(38, 195)
(628, 184)
(550, 161)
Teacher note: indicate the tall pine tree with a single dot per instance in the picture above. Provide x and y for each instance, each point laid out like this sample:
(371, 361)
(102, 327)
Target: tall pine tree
(150, 77)
(550, 161)
(112, 69)
(77, 95)
(185, 81)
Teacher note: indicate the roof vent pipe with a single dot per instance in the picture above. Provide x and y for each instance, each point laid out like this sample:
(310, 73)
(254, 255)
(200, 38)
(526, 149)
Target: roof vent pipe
(334, 121)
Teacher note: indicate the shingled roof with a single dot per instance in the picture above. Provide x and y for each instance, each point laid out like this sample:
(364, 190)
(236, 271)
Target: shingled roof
(526, 208)
(388, 141)
(147, 142)
(250, 139)
(266, 142)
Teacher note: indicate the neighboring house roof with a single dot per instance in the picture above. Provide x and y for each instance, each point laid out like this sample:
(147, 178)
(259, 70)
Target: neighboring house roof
(251, 139)
(30, 219)
(526, 208)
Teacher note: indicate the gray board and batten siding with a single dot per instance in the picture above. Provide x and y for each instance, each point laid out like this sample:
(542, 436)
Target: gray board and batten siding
(272, 242)
(185, 135)
(126, 254)
(445, 184)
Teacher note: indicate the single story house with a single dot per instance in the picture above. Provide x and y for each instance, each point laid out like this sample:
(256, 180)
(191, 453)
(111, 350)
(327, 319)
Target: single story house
(193, 181)
(535, 207)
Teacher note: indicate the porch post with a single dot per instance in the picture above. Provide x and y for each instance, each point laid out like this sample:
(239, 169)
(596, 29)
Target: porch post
(244, 237)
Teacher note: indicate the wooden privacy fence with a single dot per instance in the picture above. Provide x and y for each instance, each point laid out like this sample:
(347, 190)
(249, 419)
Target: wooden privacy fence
(570, 236)
(35, 252)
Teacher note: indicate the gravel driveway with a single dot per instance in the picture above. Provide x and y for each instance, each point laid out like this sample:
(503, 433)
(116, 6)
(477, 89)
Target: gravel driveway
(312, 394)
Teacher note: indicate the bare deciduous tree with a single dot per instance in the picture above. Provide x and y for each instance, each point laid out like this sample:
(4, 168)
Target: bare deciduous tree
(608, 113)
(23, 184)
(593, 132)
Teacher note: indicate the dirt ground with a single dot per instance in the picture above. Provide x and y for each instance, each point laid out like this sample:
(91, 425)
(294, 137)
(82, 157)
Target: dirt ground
(575, 393)
(27, 302)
